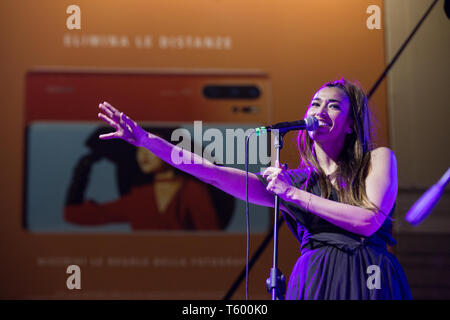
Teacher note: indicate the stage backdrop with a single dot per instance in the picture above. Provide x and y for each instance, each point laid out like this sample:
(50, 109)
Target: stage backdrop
(58, 61)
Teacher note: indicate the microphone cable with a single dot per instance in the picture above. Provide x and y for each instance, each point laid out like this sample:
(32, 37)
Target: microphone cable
(247, 213)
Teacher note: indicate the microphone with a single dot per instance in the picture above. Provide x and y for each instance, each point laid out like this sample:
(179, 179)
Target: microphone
(311, 123)
(422, 207)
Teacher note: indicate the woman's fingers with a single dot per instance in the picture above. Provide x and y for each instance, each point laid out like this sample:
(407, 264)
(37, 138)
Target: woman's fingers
(114, 114)
(105, 110)
(111, 112)
(266, 173)
(272, 173)
(111, 135)
(112, 109)
(271, 187)
(269, 171)
(108, 120)
(278, 168)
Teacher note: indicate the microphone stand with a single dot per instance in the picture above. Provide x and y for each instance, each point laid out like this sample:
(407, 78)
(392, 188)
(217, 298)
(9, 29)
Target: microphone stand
(276, 283)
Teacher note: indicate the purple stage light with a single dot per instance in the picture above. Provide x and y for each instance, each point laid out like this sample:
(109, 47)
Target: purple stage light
(422, 207)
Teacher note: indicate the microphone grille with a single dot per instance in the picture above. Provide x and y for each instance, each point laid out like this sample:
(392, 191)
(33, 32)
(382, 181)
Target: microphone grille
(311, 123)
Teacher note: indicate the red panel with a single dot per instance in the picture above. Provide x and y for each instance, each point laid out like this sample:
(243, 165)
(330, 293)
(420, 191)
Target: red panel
(170, 97)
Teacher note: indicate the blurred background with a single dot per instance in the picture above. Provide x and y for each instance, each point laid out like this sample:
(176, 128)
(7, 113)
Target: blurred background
(164, 64)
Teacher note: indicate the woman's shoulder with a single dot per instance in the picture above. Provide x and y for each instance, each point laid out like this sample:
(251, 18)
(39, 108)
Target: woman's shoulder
(383, 162)
(382, 154)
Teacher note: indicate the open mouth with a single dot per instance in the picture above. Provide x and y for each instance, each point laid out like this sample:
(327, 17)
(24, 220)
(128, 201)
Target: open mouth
(323, 123)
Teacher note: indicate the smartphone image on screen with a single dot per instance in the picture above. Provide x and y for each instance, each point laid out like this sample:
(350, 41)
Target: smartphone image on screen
(75, 182)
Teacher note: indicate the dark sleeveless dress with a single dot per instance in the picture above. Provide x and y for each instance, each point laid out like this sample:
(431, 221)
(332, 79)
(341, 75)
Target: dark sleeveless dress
(337, 264)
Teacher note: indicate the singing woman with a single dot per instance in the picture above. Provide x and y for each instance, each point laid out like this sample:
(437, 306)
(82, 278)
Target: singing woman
(338, 203)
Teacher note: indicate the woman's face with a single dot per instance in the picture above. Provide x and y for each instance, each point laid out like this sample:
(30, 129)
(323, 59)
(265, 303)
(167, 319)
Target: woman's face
(331, 106)
(147, 161)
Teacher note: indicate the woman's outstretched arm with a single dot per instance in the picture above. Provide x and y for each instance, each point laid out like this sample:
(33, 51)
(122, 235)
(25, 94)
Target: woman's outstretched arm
(229, 180)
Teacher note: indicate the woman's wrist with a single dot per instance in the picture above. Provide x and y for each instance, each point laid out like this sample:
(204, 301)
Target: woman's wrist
(290, 194)
(299, 197)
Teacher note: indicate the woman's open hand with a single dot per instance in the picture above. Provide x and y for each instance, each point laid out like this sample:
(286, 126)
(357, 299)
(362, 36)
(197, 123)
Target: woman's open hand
(126, 129)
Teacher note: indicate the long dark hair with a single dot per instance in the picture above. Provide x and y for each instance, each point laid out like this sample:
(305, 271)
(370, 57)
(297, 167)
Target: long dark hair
(353, 163)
